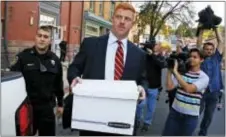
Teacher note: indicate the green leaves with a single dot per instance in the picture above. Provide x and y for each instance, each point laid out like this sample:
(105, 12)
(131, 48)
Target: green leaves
(157, 13)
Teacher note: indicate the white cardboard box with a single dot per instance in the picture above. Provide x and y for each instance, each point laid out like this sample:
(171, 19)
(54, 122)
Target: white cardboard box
(98, 103)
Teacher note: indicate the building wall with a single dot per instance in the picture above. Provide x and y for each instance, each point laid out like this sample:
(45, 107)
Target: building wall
(107, 6)
(2, 9)
(64, 13)
(95, 24)
(21, 32)
(19, 15)
(71, 19)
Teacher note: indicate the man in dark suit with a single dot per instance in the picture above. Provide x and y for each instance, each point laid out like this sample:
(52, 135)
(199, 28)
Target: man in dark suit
(110, 57)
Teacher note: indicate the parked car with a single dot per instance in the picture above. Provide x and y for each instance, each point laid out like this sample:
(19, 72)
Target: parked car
(16, 111)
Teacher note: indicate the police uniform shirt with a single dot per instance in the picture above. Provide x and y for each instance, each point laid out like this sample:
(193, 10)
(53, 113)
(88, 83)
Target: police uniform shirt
(43, 75)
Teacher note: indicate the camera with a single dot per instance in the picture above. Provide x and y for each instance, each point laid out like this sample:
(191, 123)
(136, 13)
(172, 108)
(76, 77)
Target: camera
(182, 59)
(149, 44)
(207, 19)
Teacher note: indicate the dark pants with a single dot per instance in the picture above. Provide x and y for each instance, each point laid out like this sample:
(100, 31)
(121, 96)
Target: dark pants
(220, 97)
(178, 124)
(43, 120)
(208, 105)
(171, 96)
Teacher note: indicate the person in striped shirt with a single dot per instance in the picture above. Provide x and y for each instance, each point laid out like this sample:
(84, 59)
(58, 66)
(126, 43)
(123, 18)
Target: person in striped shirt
(183, 117)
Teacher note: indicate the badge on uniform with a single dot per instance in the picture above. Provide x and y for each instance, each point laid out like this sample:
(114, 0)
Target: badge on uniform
(53, 62)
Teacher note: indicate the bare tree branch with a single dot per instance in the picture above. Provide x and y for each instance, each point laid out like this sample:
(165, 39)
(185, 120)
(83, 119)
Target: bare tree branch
(155, 14)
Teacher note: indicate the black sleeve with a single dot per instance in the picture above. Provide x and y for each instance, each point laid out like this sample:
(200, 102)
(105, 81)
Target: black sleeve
(142, 78)
(185, 49)
(17, 64)
(76, 68)
(159, 60)
(59, 92)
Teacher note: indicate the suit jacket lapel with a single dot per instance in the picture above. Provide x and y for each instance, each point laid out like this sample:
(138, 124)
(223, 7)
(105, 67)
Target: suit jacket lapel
(129, 60)
(101, 53)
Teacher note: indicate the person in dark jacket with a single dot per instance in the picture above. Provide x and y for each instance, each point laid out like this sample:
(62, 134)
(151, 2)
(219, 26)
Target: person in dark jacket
(111, 57)
(63, 50)
(42, 72)
(154, 65)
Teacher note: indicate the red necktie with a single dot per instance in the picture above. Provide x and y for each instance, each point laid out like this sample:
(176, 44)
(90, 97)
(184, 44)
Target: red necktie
(119, 62)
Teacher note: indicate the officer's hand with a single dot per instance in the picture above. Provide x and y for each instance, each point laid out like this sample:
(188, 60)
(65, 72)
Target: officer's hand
(142, 93)
(60, 111)
(76, 81)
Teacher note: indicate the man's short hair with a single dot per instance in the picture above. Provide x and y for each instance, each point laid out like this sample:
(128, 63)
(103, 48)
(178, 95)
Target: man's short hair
(47, 28)
(208, 44)
(200, 53)
(125, 6)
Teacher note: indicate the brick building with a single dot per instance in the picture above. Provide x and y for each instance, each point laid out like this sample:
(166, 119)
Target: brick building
(20, 21)
(97, 17)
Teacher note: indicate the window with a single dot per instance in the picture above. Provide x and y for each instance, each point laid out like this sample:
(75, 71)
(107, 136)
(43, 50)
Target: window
(92, 6)
(101, 8)
(47, 20)
(92, 29)
(112, 8)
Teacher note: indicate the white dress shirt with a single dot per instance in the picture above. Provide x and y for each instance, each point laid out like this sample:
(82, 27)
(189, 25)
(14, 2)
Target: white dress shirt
(110, 55)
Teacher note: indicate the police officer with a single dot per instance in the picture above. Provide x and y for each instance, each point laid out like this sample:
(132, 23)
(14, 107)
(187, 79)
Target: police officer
(42, 71)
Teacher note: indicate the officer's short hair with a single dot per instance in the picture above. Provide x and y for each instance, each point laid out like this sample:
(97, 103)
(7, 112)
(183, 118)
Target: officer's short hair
(47, 28)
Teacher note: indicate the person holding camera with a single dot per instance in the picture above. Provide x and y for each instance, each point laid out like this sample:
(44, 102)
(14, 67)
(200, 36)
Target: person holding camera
(180, 49)
(212, 67)
(183, 117)
(154, 65)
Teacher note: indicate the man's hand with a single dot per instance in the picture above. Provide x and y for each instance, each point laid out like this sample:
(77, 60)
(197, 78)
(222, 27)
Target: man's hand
(59, 111)
(142, 93)
(76, 81)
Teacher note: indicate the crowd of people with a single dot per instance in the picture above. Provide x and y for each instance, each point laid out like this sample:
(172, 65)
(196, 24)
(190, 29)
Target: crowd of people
(202, 94)
(113, 57)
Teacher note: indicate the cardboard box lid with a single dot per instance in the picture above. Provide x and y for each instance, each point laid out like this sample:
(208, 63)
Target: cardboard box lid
(107, 89)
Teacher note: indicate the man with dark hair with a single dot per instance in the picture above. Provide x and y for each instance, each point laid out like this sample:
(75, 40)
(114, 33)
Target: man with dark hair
(42, 72)
(183, 117)
(212, 67)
